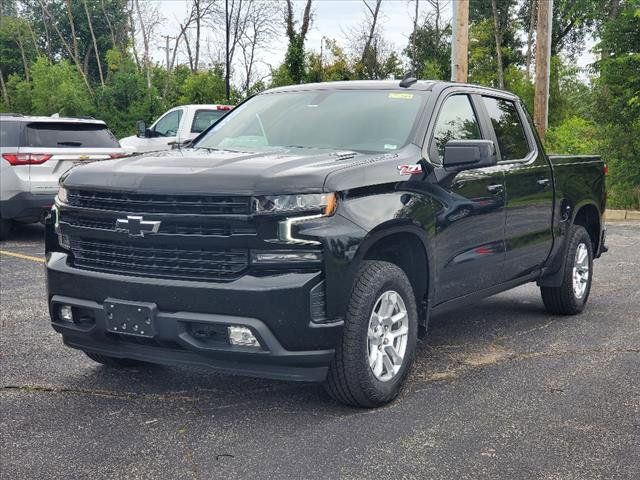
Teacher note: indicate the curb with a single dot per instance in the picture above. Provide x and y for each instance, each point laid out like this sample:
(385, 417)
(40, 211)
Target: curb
(622, 215)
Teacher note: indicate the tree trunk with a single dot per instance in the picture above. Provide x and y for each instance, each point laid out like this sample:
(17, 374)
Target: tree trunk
(415, 40)
(532, 26)
(197, 46)
(72, 25)
(5, 96)
(95, 43)
(25, 65)
(132, 30)
(497, 34)
(109, 24)
(145, 42)
(372, 30)
(227, 62)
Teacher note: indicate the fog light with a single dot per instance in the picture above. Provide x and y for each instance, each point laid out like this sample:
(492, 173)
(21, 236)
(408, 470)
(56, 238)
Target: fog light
(66, 313)
(242, 336)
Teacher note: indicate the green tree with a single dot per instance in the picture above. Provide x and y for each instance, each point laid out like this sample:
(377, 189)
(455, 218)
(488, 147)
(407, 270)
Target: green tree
(619, 103)
(294, 60)
(58, 88)
(203, 87)
(429, 50)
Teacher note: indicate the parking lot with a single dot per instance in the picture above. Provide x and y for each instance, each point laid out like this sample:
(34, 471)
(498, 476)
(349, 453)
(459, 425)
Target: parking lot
(499, 390)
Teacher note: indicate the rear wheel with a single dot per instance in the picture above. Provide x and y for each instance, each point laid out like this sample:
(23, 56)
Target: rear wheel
(5, 228)
(378, 343)
(572, 295)
(113, 362)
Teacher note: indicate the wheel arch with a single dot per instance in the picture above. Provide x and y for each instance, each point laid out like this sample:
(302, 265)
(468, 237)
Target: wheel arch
(588, 216)
(406, 246)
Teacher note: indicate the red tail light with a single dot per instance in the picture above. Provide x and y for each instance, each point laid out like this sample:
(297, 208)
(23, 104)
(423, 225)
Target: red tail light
(26, 158)
(117, 155)
(223, 107)
(605, 169)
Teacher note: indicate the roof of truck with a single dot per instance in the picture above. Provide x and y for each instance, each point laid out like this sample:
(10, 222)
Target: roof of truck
(16, 117)
(420, 85)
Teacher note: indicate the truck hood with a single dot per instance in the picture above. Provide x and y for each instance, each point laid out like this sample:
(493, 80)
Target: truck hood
(200, 171)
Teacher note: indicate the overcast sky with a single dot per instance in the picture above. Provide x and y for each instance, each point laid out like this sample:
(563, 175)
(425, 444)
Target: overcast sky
(332, 18)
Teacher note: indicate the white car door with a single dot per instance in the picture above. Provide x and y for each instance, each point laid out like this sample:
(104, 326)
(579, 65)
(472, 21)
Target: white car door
(164, 132)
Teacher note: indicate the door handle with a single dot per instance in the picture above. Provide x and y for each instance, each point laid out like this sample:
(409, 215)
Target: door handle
(496, 188)
(543, 182)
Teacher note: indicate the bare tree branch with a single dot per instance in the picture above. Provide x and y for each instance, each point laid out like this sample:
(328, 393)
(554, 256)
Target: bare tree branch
(95, 43)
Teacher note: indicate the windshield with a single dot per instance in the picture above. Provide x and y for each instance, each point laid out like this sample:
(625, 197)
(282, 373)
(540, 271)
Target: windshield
(362, 121)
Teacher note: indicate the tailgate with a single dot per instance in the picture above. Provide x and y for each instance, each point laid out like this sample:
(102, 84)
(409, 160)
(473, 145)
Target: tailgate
(44, 177)
(65, 144)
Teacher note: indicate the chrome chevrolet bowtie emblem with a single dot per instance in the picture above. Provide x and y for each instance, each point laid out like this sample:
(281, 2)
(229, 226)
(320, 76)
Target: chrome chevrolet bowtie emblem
(136, 226)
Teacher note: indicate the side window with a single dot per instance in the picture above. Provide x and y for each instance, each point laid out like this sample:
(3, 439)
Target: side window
(204, 118)
(508, 127)
(168, 125)
(456, 121)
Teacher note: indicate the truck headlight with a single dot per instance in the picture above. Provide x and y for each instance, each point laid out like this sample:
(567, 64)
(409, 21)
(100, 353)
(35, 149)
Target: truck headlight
(279, 257)
(63, 195)
(324, 203)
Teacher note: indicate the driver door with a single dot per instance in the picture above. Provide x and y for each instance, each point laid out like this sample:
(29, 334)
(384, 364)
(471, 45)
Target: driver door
(470, 239)
(165, 131)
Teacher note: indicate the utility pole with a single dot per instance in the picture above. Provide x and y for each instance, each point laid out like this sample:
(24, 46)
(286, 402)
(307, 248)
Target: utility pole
(543, 67)
(460, 41)
(167, 49)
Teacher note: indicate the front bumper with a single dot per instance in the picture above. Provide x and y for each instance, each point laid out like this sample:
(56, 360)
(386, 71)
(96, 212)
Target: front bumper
(26, 206)
(275, 308)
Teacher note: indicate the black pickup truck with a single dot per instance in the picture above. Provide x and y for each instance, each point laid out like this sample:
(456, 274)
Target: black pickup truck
(311, 233)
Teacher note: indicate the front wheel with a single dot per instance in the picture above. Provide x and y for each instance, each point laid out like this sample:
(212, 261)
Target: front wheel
(376, 351)
(571, 296)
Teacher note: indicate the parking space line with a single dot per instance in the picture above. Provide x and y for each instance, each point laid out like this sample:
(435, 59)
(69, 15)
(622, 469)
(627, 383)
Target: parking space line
(22, 256)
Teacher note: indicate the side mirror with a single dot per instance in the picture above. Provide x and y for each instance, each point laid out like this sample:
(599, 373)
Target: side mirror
(468, 154)
(141, 129)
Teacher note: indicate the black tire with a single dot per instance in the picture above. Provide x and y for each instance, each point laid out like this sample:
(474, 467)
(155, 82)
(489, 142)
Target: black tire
(114, 362)
(5, 228)
(350, 379)
(563, 300)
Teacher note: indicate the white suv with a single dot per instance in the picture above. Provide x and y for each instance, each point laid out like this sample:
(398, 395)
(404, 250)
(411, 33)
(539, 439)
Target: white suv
(35, 152)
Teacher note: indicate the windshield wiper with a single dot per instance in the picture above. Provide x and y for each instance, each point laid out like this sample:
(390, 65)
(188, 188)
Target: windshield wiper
(70, 143)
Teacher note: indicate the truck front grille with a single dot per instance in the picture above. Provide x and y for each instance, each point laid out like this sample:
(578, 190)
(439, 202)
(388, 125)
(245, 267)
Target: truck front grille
(170, 204)
(128, 258)
(168, 226)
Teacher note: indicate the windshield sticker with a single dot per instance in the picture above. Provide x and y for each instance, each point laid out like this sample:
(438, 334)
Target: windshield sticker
(401, 96)
(409, 169)
(389, 146)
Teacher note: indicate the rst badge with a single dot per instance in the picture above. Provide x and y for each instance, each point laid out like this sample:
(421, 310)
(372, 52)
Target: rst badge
(410, 169)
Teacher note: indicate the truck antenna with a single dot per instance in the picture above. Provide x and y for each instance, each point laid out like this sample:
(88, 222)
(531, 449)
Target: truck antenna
(408, 80)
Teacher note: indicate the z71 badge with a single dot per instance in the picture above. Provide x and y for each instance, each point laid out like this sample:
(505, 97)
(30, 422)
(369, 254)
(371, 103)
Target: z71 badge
(410, 169)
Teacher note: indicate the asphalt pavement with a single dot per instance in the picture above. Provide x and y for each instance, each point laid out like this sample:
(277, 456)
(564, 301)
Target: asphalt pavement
(500, 390)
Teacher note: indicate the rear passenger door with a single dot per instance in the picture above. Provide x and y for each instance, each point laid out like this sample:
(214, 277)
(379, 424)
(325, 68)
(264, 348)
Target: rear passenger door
(470, 226)
(529, 188)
